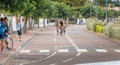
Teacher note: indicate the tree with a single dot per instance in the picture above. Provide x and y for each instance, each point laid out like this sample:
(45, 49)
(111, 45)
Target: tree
(112, 14)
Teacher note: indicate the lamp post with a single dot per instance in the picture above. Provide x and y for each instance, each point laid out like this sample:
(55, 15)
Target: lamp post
(97, 7)
(90, 7)
(107, 11)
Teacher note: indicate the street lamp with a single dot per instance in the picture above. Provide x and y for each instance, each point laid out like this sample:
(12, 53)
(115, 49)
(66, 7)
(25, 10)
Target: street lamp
(107, 11)
(90, 7)
(97, 7)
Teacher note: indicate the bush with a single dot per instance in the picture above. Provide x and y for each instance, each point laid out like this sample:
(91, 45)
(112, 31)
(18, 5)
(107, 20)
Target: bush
(92, 23)
(100, 27)
(72, 22)
(95, 25)
(108, 29)
(113, 30)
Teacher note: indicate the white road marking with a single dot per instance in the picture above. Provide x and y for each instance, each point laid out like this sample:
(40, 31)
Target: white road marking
(102, 63)
(63, 50)
(71, 41)
(68, 60)
(117, 51)
(25, 51)
(82, 50)
(55, 39)
(53, 64)
(44, 50)
(101, 50)
(78, 54)
(40, 59)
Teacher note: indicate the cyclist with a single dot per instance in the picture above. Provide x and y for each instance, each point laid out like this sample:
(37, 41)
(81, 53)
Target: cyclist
(57, 26)
(6, 31)
(62, 28)
(2, 33)
(65, 25)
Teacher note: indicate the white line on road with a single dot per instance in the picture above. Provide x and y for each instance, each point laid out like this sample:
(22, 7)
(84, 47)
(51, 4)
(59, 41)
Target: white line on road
(25, 51)
(55, 39)
(44, 50)
(40, 59)
(53, 64)
(78, 54)
(71, 41)
(101, 50)
(82, 50)
(68, 60)
(117, 51)
(63, 50)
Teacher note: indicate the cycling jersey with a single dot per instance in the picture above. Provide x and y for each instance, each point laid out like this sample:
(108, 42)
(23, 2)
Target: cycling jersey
(61, 23)
(2, 30)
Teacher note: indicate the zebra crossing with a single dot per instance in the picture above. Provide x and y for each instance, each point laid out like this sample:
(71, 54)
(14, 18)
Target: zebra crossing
(67, 50)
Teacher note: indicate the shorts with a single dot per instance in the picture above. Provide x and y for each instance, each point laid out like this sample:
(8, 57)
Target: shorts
(2, 37)
(19, 33)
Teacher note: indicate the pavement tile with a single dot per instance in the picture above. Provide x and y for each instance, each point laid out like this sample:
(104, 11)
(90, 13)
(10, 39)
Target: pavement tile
(17, 45)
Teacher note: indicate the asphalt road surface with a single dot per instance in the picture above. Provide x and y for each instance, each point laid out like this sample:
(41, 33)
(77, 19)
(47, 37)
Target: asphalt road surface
(76, 47)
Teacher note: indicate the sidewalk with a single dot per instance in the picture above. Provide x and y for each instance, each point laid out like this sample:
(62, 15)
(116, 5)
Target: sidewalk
(7, 55)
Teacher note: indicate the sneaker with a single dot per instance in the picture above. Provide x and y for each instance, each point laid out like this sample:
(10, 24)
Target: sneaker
(8, 48)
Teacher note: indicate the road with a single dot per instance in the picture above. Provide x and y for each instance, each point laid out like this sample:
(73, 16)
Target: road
(76, 47)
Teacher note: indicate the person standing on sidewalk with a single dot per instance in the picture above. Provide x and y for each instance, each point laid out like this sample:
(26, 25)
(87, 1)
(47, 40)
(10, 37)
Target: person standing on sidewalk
(2, 34)
(19, 29)
(6, 31)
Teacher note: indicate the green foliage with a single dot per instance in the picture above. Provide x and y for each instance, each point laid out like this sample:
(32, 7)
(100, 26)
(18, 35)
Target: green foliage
(95, 25)
(113, 30)
(85, 11)
(100, 12)
(112, 14)
(118, 12)
(63, 10)
(92, 23)
(72, 22)
(100, 27)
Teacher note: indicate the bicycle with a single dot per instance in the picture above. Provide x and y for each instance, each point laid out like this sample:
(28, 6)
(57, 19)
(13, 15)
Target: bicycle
(9, 42)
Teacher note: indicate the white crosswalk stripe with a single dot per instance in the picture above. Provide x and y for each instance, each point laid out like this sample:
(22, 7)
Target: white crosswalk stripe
(44, 50)
(117, 51)
(67, 50)
(25, 51)
(82, 50)
(101, 50)
(63, 50)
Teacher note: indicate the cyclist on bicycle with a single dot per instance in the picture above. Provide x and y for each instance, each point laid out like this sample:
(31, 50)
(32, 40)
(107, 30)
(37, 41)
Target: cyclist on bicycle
(6, 31)
(65, 25)
(62, 24)
(57, 26)
(2, 33)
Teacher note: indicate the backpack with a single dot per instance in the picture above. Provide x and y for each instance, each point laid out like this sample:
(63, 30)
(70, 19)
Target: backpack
(61, 22)
(2, 28)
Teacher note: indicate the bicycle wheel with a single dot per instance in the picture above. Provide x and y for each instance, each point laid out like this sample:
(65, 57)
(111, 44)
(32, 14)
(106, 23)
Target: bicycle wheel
(9, 42)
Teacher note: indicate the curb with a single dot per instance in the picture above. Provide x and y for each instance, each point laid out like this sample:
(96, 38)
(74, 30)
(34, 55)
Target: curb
(13, 54)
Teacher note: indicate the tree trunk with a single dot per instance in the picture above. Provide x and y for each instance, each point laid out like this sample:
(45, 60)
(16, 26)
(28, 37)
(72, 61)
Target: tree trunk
(29, 24)
(25, 25)
(38, 23)
(32, 24)
(44, 22)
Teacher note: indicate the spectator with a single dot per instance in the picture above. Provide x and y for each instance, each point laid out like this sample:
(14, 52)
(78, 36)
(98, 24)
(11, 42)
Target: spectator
(19, 29)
